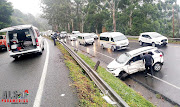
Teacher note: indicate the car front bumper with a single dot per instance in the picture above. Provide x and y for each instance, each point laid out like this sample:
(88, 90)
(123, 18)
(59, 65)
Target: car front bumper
(122, 47)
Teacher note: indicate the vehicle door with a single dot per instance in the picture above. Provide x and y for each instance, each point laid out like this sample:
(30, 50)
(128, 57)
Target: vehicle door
(134, 65)
(143, 38)
(148, 39)
(108, 42)
(112, 43)
(39, 37)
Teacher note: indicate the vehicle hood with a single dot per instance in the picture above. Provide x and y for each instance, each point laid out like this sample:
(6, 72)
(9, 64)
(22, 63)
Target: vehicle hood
(91, 39)
(160, 38)
(122, 42)
(114, 64)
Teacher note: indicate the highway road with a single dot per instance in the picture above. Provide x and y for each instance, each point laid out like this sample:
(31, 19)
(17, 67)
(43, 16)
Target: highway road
(165, 82)
(44, 76)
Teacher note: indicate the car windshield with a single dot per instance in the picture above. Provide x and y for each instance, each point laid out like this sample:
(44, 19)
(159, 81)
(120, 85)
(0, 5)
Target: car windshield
(156, 35)
(123, 58)
(119, 38)
(87, 37)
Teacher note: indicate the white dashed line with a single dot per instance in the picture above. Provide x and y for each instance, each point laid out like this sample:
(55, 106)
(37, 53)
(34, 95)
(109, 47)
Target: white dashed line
(39, 93)
(103, 54)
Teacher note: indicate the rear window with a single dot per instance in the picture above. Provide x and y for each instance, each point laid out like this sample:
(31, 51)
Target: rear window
(1, 37)
(157, 51)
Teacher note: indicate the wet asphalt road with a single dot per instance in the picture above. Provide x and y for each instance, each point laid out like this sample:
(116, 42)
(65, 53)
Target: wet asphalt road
(25, 74)
(166, 82)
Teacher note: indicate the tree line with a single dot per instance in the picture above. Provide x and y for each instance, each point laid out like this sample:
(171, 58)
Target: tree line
(130, 17)
(12, 17)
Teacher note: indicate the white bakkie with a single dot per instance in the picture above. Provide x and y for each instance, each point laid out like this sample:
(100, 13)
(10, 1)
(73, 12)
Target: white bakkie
(131, 62)
(113, 40)
(152, 38)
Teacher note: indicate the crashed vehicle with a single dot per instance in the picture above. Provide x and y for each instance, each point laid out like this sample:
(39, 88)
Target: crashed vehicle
(23, 39)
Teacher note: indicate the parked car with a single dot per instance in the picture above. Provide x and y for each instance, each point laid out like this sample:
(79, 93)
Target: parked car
(63, 34)
(72, 37)
(3, 42)
(76, 33)
(113, 40)
(131, 62)
(152, 38)
(95, 36)
(23, 39)
(85, 38)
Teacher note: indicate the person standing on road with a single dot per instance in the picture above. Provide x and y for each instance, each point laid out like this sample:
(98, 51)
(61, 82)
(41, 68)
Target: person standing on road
(54, 38)
(148, 63)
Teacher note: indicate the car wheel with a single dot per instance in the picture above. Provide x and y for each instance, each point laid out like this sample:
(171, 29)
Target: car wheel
(102, 46)
(157, 67)
(140, 43)
(153, 44)
(123, 75)
(16, 57)
(43, 46)
(112, 48)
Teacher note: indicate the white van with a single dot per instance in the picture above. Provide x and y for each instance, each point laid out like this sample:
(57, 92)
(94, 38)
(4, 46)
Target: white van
(113, 40)
(23, 39)
(85, 38)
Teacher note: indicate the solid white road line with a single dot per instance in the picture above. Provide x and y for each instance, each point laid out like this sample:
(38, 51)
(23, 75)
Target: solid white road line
(148, 74)
(165, 82)
(39, 93)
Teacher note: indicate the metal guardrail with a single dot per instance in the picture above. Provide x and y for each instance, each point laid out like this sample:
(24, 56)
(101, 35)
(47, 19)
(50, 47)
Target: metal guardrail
(178, 39)
(102, 85)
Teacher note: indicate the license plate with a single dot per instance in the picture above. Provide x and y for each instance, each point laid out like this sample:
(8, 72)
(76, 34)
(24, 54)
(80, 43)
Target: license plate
(13, 46)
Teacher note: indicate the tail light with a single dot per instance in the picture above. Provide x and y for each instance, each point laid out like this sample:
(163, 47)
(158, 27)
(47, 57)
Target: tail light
(161, 55)
(37, 42)
(8, 47)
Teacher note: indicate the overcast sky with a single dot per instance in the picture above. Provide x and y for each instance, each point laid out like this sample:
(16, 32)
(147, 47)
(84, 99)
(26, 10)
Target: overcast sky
(27, 6)
(32, 6)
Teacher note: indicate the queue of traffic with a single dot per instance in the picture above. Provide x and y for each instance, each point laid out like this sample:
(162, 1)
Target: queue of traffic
(26, 39)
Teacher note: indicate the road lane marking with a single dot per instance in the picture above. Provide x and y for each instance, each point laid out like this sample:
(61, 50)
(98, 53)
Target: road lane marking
(165, 81)
(39, 93)
(102, 54)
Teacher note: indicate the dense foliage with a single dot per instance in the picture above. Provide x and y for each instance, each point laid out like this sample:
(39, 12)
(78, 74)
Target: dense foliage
(19, 18)
(5, 13)
(130, 17)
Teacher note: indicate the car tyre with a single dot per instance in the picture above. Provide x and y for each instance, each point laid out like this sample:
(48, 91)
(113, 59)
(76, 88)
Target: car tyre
(157, 67)
(16, 57)
(153, 44)
(140, 43)
(102, 46)
(112, 48)
(123, 75)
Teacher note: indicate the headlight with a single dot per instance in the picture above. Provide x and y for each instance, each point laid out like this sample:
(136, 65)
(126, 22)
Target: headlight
(112, 69)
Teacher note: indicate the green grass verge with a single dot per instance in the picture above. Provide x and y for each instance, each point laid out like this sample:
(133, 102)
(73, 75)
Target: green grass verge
(88, 94)
(131, 97)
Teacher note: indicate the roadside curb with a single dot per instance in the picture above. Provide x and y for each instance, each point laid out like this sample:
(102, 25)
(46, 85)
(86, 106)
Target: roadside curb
(155, 92)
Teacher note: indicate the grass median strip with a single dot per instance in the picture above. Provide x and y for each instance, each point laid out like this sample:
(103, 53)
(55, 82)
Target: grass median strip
(88, 93)
(131, 97)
